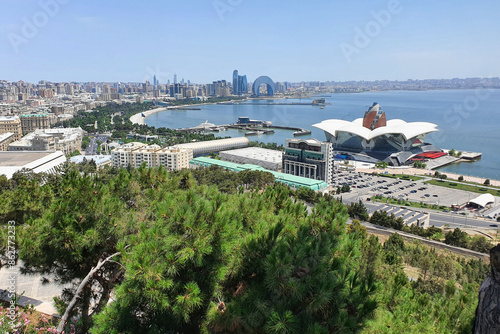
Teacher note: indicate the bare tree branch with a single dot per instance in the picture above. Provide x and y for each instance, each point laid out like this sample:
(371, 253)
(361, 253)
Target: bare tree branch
(82, 285)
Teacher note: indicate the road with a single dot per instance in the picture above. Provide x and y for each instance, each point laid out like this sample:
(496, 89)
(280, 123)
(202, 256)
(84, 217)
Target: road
(92, 148)
(365, 186)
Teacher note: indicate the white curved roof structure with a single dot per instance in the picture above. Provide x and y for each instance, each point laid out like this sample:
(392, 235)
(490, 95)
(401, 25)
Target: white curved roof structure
(483, 200)
(394, 126)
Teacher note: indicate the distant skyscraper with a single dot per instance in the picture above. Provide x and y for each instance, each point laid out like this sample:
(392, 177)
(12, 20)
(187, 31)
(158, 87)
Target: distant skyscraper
(155, 83)
(235, 82)
(175, 78)
(240, 85)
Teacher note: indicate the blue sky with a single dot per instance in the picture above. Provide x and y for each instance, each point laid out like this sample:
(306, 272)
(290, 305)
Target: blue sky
(124, 40)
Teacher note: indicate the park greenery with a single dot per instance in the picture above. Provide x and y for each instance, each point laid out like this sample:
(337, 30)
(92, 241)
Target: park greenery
(401, 201)
(419, 164)
(456, 237)
(269, 146)
(466, 187)
(343, 189)
(381, 164)
(402, 176)
(213, 251)
(454, 153)
(115, 118)
(219, 99)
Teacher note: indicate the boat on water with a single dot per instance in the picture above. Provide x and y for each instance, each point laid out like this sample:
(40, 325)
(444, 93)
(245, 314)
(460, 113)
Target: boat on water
(322, 107)
(254, 133)
(302, 132)
(319, 101)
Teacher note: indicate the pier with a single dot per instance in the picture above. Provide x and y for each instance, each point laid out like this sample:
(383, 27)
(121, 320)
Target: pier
(253, 129)
(286, 104)
(448, 159)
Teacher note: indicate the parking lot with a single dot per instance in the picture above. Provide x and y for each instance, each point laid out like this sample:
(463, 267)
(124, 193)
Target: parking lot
(367, 185)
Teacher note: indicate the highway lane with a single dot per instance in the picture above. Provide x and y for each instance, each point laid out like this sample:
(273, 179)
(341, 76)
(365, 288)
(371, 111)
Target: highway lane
(92, 148)
(438, 219)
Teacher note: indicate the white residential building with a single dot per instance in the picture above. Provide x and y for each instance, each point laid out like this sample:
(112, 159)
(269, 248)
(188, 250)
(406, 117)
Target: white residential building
(135, 154)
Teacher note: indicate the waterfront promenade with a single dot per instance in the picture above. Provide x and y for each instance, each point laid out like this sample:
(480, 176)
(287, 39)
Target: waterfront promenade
(425, 172)
(139, 119)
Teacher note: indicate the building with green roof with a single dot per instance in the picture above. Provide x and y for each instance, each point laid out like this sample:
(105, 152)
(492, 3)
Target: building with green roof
(288, 179)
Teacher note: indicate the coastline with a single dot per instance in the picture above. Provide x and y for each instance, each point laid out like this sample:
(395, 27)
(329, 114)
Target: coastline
(138, 119)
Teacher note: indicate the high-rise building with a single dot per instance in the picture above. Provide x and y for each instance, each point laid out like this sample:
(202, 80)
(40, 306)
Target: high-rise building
(175, 78)
(240, 85)
(46, 93)
(309, 158)
(235, 82)
(155, 82)
(69, 90)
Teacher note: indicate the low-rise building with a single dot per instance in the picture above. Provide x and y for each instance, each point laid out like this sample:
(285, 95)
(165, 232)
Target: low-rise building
(32, 122)
(11, 124)
(269, 159)
(38, 162)
(204, 147)
(66, 140)
(5, 140)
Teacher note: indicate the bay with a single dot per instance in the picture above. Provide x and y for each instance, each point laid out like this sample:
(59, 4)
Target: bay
(468, 120)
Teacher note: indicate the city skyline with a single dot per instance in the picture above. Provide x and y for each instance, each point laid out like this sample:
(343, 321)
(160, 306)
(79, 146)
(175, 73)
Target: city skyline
(63, 40)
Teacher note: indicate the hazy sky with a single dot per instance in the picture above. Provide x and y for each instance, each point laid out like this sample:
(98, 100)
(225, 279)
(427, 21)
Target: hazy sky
(125, 40)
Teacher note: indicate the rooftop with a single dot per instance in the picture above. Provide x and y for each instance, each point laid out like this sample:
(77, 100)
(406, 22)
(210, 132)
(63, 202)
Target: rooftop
(483, 200)
(34, 115)
(98, 159)
(257, 153)
(5, 136)
(20, 158)
(291, 180)
(8, 118)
